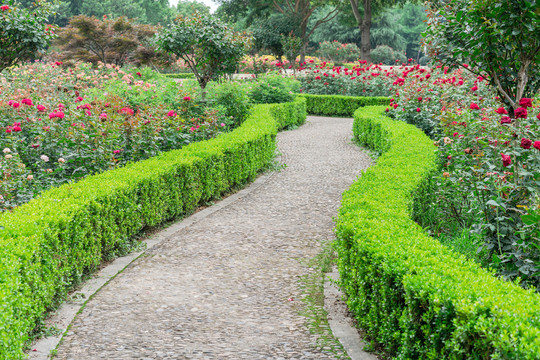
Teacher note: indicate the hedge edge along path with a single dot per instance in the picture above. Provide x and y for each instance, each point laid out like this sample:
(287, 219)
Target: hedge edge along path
(338, 105)
(50, 243)
(412, 295)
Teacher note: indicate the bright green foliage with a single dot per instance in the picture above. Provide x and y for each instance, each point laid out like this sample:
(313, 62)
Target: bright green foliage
(271, 89)
(208, 46)
(336, 105)
(412, 295)
(23, 32)
(497, 37)
(49, 244)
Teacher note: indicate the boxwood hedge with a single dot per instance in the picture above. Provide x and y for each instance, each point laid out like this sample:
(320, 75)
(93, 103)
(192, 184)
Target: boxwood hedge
(50, 243)
(414, 297)
(338, 105)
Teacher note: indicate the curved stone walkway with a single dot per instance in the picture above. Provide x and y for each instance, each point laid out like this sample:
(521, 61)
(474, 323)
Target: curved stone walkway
(228, 287)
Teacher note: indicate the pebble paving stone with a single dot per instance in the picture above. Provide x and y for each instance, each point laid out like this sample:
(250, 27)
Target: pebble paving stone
(220, 288)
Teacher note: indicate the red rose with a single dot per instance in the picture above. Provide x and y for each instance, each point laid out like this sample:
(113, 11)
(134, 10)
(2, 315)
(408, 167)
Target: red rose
(138, 73)
(526, 143)
(474, 88)
(507, 160)
(525, 102)
(506, 120)
(4, 7)
(475, 106)
(521, 113)
(501, 111)
(418, 109)
(27, 102)
(536, 145)
(420, 98)
(40, 108)
(187, 98)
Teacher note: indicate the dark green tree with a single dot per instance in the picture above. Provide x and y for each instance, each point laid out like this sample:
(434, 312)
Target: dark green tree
(268, 32)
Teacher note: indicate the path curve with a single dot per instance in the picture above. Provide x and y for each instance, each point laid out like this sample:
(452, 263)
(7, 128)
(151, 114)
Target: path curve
(220, 288)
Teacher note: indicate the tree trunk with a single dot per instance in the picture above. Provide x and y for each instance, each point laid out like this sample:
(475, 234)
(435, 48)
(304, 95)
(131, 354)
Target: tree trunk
(365, 29)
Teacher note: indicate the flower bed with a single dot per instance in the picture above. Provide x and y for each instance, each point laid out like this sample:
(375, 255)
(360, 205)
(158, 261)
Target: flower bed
(413, 296)
(52, 242)
(60, 124)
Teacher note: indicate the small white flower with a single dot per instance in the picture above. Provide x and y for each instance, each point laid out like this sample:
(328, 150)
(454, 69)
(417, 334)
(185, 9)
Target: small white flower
(61, 160)
(30, 177)
(7, 151)
(8, 156)
(44, 158)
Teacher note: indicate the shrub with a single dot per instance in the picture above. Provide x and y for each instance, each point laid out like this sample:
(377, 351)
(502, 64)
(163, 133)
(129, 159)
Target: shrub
(413, 296)
(49, 244)
(337, 52)
(23, 32)
(271, 89)
(234, 98)
(335, 105)
(388, 56)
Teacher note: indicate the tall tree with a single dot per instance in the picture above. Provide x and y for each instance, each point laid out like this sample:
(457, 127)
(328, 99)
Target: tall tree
(299, 11)
(363, 11)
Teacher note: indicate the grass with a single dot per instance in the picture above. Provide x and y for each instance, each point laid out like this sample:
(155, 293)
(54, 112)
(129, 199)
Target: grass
(312, 287)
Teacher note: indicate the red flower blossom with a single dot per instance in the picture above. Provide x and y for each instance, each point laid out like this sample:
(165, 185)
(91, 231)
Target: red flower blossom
(506, 120)
(418, 109)
(526, 143)
(187, 98)
(525, 102)
(138, 73)
(501, 111)
(420, 98)
(4, 7)
(474, 88)
(536, 145)
(171, 113)
(126, 111)
(15, 105)
(475, 106)
(521, 113)
(27, 102)
(40, 108)
(506, 159)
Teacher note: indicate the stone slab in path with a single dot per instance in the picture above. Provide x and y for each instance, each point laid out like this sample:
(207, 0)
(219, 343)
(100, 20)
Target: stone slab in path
(221, 287)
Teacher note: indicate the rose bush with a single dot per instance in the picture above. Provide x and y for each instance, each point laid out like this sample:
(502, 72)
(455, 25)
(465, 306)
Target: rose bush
(56, 128)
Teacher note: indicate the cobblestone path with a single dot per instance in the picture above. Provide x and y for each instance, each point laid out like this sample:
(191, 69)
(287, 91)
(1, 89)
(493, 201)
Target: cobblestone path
(220, 288)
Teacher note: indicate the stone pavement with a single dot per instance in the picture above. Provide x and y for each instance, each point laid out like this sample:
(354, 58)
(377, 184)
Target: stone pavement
(228, 287)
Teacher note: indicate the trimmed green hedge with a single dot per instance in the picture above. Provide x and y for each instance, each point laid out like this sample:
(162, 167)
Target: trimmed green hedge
(412, 295)
(49, 244)
(338, 105)
(180, 76)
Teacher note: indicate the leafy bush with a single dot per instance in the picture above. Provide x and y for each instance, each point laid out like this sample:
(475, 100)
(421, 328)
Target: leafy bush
(49, 244)
(383, 54)
(336, 52)
(271, 89)
(413, 296)
(234, 98)
(23, 32)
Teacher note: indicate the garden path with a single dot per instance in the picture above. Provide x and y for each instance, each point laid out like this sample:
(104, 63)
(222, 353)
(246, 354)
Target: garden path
(228, 286)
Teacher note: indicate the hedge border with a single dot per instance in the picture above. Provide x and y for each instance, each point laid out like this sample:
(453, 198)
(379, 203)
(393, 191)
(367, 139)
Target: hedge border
(412, 295)
(339, 105)
(48, 244)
